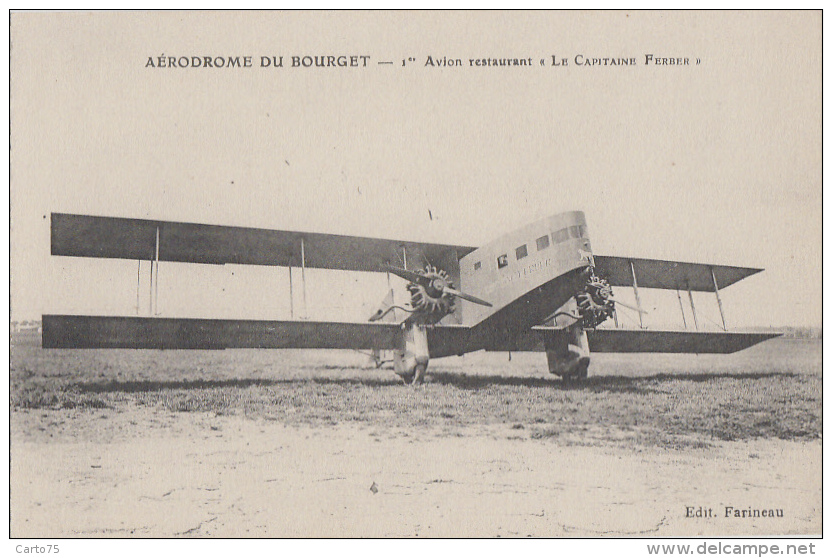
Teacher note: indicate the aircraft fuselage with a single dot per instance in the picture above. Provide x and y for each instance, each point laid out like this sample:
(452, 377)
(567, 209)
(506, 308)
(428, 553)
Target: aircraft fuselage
(526, 274)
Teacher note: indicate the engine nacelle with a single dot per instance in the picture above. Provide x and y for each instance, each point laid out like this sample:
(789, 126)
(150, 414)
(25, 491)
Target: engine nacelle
(568, 353)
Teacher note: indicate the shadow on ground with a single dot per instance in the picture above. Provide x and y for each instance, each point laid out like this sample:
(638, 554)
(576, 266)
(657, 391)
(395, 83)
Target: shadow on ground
(452, 379)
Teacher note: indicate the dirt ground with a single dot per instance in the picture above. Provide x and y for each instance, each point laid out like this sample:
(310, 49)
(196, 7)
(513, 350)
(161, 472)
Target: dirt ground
(200, 475)
(155, 444)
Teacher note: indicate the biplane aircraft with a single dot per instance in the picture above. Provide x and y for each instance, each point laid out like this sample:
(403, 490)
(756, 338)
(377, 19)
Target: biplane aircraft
(539, 288)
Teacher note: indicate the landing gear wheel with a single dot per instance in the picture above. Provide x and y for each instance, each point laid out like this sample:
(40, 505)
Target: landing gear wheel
(407, 378)
(580, 373)
(418, 374)
(583, 369)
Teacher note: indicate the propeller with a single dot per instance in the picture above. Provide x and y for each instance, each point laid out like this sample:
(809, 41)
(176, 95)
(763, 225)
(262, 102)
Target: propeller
(465, 296)
(625, 305)
(411, 276)
(435, 284)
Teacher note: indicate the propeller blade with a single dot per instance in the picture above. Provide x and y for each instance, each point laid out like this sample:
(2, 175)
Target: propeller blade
(625, 305)
(466, 296)
(411, 276)
(414, 277)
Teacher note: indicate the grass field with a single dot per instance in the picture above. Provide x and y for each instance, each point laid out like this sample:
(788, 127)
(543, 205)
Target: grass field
(769, 391)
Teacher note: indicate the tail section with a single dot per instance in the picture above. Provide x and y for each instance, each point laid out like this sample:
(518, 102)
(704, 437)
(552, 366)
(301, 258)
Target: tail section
(386, 311)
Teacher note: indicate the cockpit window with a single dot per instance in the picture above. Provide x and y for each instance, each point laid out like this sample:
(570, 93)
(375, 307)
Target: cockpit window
(502, 261)
(542, 243)
(560, 236)
(521, 252)
(477, 265)
(575, 231)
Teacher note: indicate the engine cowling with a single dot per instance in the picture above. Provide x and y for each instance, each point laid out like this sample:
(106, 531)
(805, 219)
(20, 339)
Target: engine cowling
(429, 298)
(595, 302)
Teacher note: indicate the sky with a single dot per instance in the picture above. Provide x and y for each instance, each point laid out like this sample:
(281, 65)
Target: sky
(716, 161)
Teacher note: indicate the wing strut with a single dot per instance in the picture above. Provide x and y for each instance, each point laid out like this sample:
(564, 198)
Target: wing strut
(693, 309)
(156, 285)
(138, 284)
(718, 300)
(392, 297)
(681, 308)
(150, 290)
(303, 276)
(291, 292)
(638, 299)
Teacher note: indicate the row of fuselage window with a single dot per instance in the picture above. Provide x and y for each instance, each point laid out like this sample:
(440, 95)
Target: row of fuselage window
(575, 231)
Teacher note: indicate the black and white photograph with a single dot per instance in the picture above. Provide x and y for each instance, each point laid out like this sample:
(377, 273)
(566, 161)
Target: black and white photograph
(416, 274)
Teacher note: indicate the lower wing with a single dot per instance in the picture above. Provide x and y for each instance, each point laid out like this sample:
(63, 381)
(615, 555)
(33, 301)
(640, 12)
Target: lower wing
(642, 341)
(129, 332)
(110, 332)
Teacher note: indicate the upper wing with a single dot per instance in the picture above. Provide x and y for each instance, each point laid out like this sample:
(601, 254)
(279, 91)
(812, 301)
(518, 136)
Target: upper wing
(640, 341)
(135, 239)
(661, 274)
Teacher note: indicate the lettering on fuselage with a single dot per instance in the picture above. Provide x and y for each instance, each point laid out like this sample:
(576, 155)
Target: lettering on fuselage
(537, 267)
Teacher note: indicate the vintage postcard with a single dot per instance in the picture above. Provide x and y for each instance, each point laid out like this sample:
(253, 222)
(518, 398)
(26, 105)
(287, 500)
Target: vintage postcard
(416, 274)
